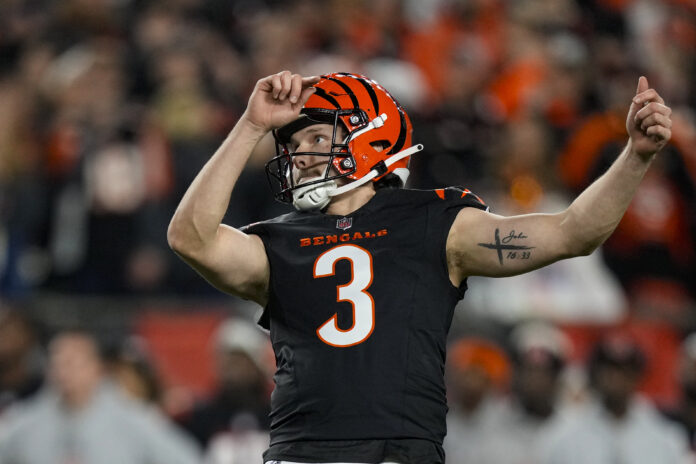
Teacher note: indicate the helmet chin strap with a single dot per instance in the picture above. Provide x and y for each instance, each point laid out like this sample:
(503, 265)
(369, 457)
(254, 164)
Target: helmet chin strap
(312, 197)
(317, 196)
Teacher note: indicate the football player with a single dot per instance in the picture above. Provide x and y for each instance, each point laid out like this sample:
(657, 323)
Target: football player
(359, 284)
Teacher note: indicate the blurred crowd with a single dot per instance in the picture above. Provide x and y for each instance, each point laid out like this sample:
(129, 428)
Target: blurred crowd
(525, 397)
(527, 401)
(110, 107)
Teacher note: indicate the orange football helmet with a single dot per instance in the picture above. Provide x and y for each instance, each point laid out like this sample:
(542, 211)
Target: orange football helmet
(378, 141)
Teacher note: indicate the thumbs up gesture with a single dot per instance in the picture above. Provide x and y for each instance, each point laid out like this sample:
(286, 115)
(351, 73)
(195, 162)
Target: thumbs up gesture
(648, 122)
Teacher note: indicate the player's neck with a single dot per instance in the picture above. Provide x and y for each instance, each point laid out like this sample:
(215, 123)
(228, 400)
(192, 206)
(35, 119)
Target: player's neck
(345, 204)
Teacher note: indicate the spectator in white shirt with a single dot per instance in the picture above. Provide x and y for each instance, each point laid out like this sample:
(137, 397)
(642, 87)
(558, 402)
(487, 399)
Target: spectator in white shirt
(80, 418)
(478, 372)
(617, 425)
(684, 413)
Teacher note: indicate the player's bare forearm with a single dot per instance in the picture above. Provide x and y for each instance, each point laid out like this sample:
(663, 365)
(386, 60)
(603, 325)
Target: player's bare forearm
(229, 259)
(195, 223)
(596, 212)
(485, 244)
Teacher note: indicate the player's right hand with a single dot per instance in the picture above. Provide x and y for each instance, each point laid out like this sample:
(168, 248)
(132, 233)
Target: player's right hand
(277, 99)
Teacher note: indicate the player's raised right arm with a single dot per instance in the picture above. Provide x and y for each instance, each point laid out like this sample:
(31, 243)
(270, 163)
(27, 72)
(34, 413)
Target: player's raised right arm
(228, 258)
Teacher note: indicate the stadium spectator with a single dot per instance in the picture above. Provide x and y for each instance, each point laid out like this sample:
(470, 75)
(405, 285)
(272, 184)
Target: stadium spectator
(540, 354)
(241, 402)
(617, 424)
(21, 358)
(534, 407)
(478, 372)
(133, 369)
(684, 413)
(82, 418)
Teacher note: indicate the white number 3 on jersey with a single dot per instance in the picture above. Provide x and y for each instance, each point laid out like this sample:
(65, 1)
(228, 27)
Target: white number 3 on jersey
(353, 292)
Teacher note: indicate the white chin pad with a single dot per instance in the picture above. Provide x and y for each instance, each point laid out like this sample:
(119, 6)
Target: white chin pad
(313, 197)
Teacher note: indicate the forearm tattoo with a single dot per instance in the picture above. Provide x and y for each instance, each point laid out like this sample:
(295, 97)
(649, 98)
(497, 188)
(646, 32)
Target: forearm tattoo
(506, 249)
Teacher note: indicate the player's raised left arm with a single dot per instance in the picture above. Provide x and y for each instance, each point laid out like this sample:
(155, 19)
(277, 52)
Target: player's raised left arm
(481, 243)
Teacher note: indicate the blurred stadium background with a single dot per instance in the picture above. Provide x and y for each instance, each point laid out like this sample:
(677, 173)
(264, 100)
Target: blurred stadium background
(108, 109)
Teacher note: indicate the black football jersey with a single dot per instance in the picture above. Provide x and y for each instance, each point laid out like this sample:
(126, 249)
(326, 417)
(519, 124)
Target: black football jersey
(359, 310)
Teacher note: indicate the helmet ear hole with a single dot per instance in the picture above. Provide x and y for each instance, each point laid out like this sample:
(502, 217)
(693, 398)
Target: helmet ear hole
(380, 145)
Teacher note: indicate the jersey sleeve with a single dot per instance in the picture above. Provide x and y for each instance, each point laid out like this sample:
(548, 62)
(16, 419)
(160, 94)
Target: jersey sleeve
(448, 203)
(443, 209)
(461, 197)
(256, 228)
(262, 230)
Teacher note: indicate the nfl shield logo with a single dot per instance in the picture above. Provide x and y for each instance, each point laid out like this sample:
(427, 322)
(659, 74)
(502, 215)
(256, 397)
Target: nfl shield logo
(344, 223)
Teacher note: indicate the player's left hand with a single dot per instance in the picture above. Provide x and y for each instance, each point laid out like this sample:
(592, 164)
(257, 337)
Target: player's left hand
(648, 123)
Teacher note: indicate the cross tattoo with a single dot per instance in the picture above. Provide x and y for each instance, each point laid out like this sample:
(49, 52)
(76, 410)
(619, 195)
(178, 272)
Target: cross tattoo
(499, 247)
